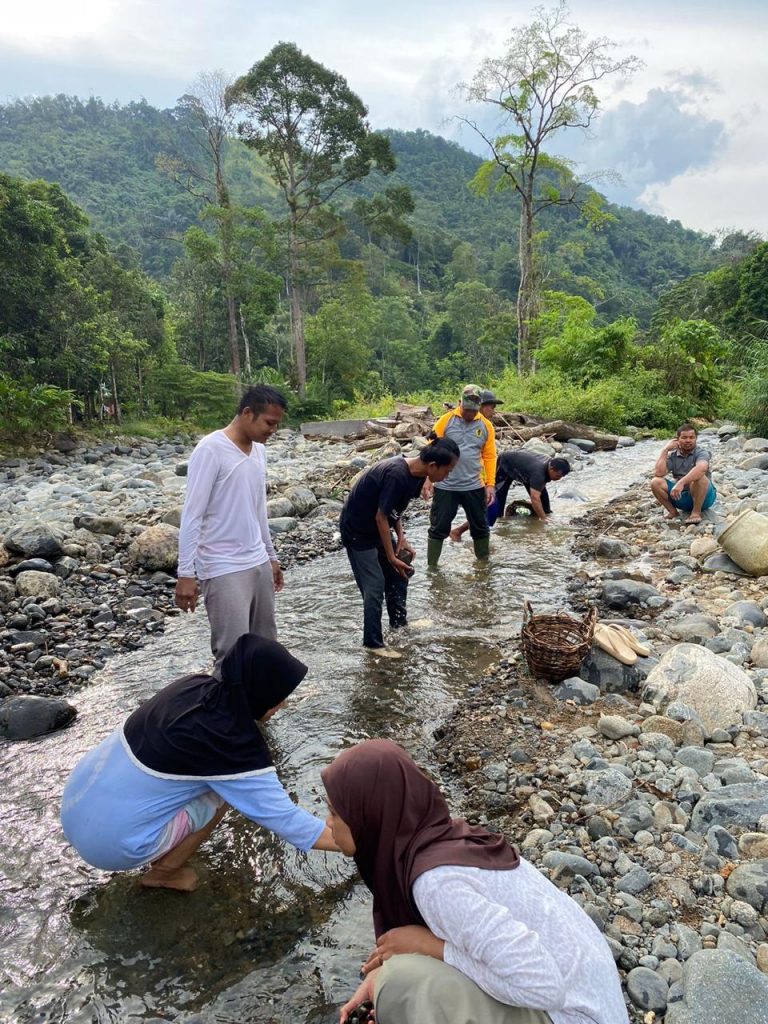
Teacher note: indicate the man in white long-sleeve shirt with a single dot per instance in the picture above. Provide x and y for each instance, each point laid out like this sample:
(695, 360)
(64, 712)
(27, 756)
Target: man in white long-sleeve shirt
(225, 547)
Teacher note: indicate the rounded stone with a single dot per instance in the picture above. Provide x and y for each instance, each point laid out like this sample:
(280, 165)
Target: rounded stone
(647, 989)
(39, 585)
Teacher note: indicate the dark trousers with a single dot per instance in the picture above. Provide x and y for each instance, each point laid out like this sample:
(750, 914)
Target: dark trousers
(503, 491)
(378, 583)
(445, 505)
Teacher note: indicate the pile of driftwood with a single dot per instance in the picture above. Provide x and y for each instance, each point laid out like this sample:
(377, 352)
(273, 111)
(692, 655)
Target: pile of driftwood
(410, 421)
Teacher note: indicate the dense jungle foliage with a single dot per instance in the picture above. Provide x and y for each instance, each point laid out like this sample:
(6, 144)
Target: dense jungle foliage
(123, 281)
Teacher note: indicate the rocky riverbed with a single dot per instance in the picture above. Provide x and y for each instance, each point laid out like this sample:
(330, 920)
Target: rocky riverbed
(643, 790)
(89, 543)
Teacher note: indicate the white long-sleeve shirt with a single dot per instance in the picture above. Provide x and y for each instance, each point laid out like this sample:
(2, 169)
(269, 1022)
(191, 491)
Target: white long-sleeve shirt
(523, 941)
(224, 520)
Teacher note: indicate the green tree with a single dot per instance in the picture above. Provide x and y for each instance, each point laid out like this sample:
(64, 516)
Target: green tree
(311, 130)
(338, 341)
(543, 83)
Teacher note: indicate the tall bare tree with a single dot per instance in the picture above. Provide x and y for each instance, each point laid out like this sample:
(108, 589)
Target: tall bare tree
(542, 84)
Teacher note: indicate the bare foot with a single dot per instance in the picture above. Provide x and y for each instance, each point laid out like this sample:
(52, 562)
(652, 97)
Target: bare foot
(183, 879)
(672, 516)
(694, 520)
(455, 535)
(384, 652)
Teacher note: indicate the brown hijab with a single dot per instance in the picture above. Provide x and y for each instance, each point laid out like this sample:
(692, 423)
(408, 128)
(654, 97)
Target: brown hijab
(401, 826)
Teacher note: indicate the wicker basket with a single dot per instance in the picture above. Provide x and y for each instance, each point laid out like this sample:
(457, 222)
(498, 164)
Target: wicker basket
(555, 645)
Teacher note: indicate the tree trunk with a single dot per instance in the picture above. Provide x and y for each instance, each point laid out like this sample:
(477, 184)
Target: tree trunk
(418, 269)
(234, 345)
(526, 292)
(246, 346)
(140, 382)
(297, 318)
(115, 403)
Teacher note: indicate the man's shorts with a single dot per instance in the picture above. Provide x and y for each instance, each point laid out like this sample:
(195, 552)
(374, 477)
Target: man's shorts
(685, 501)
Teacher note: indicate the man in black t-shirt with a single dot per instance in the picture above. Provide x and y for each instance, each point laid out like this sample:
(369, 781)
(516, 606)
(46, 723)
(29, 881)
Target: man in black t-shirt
(534, 472)
(374, 509)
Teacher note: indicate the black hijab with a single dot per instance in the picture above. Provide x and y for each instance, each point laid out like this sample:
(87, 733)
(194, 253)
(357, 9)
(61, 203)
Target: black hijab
(202, 727)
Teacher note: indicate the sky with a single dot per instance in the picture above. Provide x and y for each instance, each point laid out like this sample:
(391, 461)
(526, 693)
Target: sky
(687, 133)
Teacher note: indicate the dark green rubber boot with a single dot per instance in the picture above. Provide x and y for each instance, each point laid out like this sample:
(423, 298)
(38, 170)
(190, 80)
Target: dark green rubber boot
(434, 547)
(482, 547)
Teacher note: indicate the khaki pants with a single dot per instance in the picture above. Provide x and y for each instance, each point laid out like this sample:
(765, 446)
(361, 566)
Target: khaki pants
(412, 989)
(237, 603)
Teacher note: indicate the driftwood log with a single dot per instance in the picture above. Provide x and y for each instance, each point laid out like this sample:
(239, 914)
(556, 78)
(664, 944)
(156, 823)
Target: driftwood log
(561, 431)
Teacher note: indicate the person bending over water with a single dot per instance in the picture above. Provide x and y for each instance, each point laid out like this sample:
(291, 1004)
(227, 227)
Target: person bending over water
(156, 788)
(495, 941)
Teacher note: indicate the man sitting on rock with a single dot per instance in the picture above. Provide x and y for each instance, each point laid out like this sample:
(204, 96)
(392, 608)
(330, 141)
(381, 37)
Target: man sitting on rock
(690, 488)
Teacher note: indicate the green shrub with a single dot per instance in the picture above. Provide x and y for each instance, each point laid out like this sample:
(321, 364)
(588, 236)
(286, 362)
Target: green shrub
(29, 410)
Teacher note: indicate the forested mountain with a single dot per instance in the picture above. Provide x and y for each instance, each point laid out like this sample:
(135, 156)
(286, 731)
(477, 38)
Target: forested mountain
(105, 158)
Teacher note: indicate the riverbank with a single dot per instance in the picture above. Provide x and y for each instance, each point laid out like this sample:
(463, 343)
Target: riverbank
(643, 790)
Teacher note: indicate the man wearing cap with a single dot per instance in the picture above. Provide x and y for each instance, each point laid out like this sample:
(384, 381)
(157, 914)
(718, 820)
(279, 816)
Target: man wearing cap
(471, 483)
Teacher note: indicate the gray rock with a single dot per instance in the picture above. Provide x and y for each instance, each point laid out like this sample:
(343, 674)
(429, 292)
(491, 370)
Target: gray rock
(611, 676)
(282, 524)
(583, 444)
(31, 565)
(749, 882)
(719, 986)
(172, 517)
(181, 469)
(614, 727)
(688, 940)
(7, 591)
(755, 462)
(278, 508)
(569, 862)
(647, 989)
(623, 593)
(40, 585)
(156, 548)
(697, 758)
(302, 499)
(720, 562)
(636, 880)
(33, 539)
(577, 690)
(607, 787)
(742, 804)
(721, 842)
(718, 691)
(694, 628)
(609, 547)
(756, 444)
(626, 442)
(746, 613)
(635, 816)
(24, 717)
(731, 942)
(109, 525)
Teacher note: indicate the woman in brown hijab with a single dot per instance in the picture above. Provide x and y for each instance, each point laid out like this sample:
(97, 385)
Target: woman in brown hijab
(467, 932)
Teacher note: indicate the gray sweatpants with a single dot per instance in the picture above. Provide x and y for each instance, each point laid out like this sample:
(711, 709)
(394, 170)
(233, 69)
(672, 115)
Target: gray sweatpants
(237, 603)
(413, 989)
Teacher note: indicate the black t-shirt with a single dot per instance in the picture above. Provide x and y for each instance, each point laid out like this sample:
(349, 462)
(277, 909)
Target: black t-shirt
(387, 487)
(526, 468)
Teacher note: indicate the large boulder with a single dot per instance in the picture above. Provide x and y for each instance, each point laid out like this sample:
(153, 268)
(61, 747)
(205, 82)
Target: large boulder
(24, 717)
(694, 628)
(40, 585)
(715, 689)
(157, 547)
(756, 444)
(33, 539)
(278, 508)
(610, 547)
(755, 462)
(742, 804)
(719, 985)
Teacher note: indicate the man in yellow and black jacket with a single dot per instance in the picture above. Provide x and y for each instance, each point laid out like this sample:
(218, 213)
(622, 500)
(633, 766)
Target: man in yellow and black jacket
(471, 483)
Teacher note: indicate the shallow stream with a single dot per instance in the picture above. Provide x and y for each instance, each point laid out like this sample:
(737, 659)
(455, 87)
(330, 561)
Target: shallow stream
(271, 936)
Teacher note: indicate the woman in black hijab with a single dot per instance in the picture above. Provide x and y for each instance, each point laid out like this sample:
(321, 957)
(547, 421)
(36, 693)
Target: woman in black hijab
(155, 789)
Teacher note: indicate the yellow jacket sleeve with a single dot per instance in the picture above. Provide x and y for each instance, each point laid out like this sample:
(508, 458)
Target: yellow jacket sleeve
(442, 423)
(488, 455)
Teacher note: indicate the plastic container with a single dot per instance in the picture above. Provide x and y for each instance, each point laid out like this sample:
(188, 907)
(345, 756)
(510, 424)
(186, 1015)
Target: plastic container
(746, 542)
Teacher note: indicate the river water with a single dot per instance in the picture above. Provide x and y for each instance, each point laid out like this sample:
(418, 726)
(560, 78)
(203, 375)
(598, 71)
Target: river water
(271, 935)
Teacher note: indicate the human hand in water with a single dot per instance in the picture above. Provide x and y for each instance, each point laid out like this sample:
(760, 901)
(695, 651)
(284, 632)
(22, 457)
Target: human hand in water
(186, 593)
(363, 994)
(411, 938)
